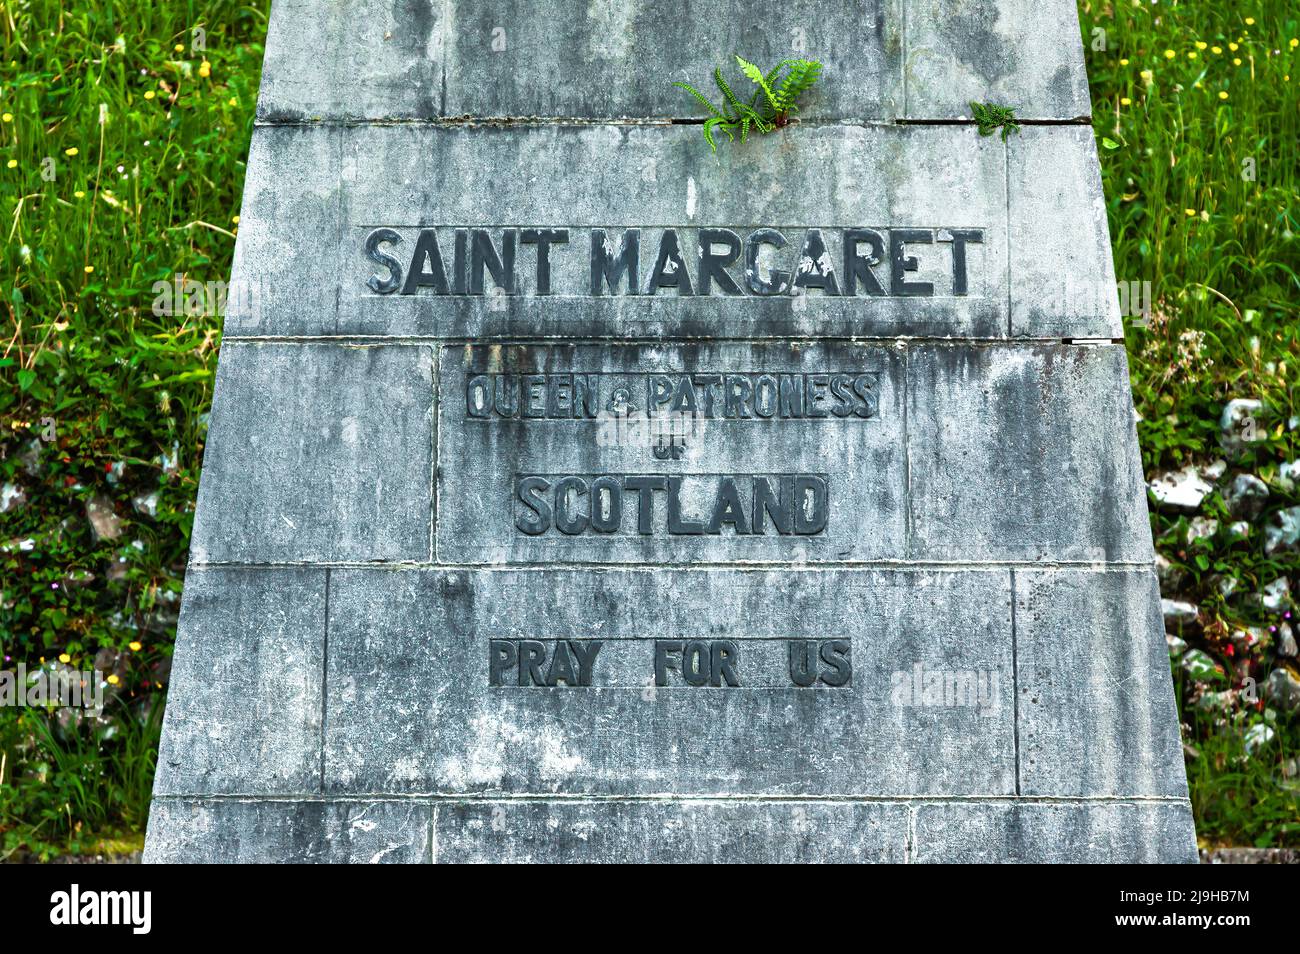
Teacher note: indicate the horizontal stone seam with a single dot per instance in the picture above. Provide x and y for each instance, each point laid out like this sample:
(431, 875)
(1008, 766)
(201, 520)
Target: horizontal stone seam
(442, 798)
(1119, 566)
(632, 339)
(543, 122)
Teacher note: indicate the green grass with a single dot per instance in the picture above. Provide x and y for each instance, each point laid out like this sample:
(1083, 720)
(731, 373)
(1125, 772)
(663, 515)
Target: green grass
(152, 191)
(146, 154)
(1200, 156)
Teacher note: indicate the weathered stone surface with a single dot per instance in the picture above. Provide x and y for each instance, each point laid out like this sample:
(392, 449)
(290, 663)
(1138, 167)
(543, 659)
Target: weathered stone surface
(513, 439)
(1023, 53)
(410, 708)
(1062, 276)
(314, 203)
(1095, 704)
(689, 831)
(250, 665)
(1049, 427)
(317, 453)
(1055, 833)
(932, 179)
(285, 252)
(226, 831)
(416, 60)
(503, 60)
(351, 60)
(417, 625)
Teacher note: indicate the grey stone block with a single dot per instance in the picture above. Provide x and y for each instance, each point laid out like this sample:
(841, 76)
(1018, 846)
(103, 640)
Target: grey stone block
(353, 60)
(410, 708)
(503, 60)
(1022, 53)
(292, 198)
(403, 178)
(236, 831)
(1055, 833)
(683, 831)
(518, 488)
(1062, 277)
(250, 665)
(417, 60)
(1024, 453)
(317, 453)
(1096, 704)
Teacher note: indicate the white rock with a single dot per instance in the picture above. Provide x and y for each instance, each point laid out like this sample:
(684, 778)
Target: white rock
(1180, 489)
(1239, 424)
(1177, 613)
(146, 504)
(1202, 528)
(1286, 644)
(1276, 593)
(1257, 736)
(1284, 532)
(1287, 475)
(1247, 496)
(1283, 689)
(104, 523)
(11, 497)
(1177, 645)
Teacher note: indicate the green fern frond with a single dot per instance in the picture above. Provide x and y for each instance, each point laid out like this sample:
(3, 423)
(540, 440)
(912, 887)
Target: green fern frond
(700, 97)
(728, 96)
(803, 74)
(719, 123)
(775, 96)
(757, 78)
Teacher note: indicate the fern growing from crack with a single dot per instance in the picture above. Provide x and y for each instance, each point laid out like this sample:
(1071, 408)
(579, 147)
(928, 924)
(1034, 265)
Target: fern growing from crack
(775, 99)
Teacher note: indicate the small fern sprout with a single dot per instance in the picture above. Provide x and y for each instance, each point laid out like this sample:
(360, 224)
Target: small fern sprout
(771, 106)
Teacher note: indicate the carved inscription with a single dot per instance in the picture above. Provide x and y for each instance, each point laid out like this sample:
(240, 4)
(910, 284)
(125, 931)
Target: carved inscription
(707, 395)
(684, 261)
(667, 663)
(694, 504)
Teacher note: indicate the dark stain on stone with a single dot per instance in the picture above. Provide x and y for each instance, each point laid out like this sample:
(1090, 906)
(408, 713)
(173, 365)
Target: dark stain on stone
(975, 42)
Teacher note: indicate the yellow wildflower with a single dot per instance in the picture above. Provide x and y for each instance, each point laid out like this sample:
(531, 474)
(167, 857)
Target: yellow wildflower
(1123, 62)
(179, 47)
(1222, 95)
(1125, 101)
(79, 194)
(234, 220)
(1170, 54)
(1148, 77)
(135, 647)
(89, 269)
(1216, 50)
(11, 164)
(205, 69)
(113, 680)
(1233, 47)
(1236, 61)
(1250, 21)
(1190, 212)
(8, 117)
(1191, 54)
(65, 658)
(149, 94)
(1200, 45)
(71, 151)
